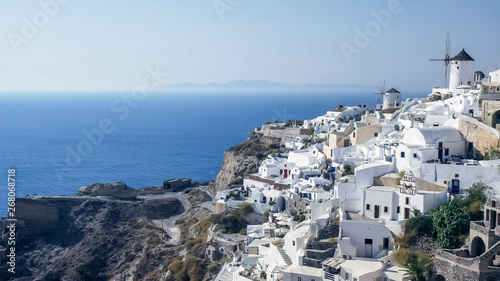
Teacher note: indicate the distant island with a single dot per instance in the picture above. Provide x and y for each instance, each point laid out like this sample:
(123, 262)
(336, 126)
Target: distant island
(264, 86)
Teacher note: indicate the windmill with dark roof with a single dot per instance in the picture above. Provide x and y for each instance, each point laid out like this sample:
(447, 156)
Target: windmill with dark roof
(462, 70)
(388, 98)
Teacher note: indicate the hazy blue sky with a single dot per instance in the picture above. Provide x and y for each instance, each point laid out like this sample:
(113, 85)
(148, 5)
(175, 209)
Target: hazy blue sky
(91, 45)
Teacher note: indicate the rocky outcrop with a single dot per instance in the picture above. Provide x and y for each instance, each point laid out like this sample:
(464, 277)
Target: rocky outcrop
(244, 159)
(118, 190)
(97, 238)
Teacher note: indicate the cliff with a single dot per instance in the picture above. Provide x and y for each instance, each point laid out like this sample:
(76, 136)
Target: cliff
(244, 159)
(91, 238)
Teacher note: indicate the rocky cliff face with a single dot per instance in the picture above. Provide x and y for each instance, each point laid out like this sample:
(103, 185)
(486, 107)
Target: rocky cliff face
(244, 159)
(88, 238)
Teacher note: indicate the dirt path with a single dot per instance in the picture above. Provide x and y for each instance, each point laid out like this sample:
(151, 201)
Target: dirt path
(168, 224)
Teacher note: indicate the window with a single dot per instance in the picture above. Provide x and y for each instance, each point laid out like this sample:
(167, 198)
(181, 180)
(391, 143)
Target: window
(414, 155)
(386, 209)
(299, 278)
(398, 209)
(375, 134)
(402, 154)
(293, 243)
(446, 151)
(368, 207)
(354, 134)
(456, 175)
(407, 200)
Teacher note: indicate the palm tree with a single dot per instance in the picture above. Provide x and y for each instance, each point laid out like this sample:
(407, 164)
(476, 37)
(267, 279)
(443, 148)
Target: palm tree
(419, 269)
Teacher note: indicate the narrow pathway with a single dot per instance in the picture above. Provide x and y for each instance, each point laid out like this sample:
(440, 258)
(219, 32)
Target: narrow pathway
(168, 224)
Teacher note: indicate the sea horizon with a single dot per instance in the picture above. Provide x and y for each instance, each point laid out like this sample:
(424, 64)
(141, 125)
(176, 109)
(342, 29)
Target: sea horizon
(58, 143)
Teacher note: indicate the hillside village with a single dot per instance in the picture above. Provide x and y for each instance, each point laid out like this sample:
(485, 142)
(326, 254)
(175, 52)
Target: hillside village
(339, 191)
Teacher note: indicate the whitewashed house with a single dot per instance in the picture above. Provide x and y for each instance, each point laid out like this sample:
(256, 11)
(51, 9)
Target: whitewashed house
(426, 145)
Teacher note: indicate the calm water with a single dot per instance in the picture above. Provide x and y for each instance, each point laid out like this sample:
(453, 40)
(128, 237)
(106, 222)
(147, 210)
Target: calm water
(58, 143)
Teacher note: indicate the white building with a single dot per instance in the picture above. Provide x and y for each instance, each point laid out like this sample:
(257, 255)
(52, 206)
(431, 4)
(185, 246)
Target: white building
(392, 98)
(425, 145)
(360, 238)
(461, 70)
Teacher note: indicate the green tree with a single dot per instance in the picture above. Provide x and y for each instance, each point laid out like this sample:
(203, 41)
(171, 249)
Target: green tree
(449, 221)
(478, 192)
(420, 269)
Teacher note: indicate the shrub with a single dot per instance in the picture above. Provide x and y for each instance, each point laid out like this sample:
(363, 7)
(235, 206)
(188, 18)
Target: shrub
(84, 273)
(266, 214)
(244, 210)
(478, 192)
(212, 268)
(154, 241)
(272, 146)
(176, 266)
(193, 242)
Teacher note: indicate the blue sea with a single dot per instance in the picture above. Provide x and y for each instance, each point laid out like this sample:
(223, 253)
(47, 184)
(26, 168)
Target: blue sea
(59, 142)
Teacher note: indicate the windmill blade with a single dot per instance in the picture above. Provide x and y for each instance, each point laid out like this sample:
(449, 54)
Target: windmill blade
(447, 59)
(381, 87)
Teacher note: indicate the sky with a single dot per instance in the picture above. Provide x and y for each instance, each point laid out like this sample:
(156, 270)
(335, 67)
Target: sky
(97, 46)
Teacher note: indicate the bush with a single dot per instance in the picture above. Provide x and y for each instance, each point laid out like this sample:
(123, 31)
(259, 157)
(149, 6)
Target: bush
(266, 214)
(493, 153)
(193, 242)
(478, 192)
(450, 221)
(347, 169)
(154, 241)
(272, 146)
(421, 224)
(212, 268)
(176, 266)
(405, 256)
(244, 209)
(84, 273)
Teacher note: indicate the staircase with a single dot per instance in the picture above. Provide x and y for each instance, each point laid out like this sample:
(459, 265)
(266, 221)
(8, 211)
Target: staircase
(285, 257)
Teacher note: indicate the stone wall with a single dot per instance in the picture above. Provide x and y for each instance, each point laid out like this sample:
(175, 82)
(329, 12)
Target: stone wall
(489, 109)
(478, 133)
(454, 268)
(286, 135)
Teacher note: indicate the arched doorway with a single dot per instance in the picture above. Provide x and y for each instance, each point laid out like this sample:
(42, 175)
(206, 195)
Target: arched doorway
(477, 247)
(496, 119)
(440, 277)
